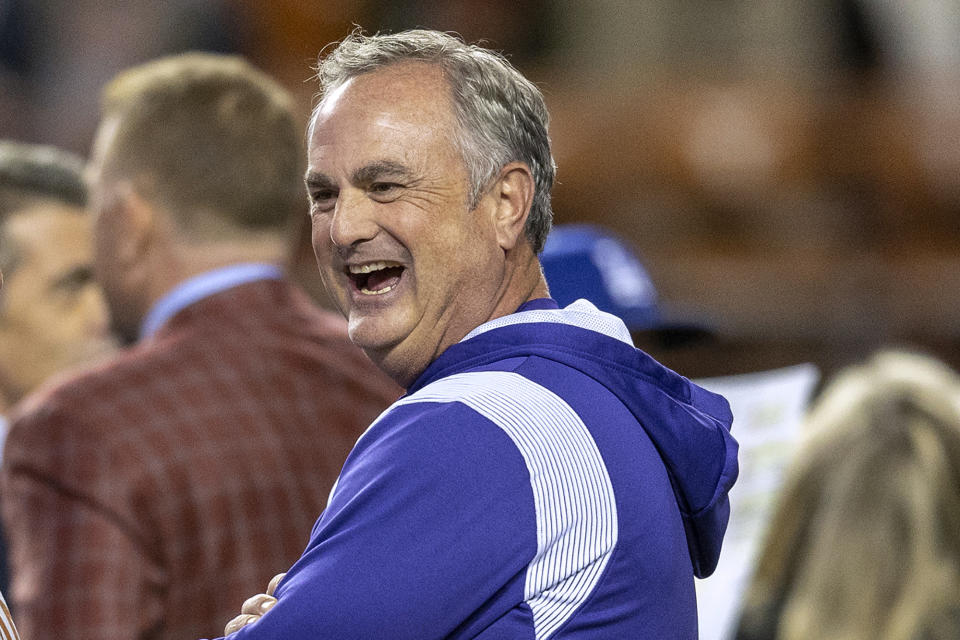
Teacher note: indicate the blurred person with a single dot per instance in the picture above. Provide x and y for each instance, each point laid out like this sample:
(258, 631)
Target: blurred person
(866, 539)
(52, 314)
(541, 477)
(8, 630)
(589, 261)
(145, 497)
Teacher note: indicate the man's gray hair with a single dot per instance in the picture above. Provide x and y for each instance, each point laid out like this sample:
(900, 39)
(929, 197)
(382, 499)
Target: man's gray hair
(502, 116)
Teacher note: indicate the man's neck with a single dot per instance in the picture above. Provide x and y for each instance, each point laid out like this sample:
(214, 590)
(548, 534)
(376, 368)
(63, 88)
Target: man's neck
(189, 260)
(525, 282)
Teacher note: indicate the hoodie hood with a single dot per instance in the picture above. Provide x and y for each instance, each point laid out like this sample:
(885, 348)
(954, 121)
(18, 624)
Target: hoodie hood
(689, 426)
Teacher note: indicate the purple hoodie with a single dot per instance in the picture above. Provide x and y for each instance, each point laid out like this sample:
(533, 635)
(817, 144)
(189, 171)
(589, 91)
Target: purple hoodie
(541, 479)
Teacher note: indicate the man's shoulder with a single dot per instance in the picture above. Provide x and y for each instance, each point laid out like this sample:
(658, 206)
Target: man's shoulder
(420, 452)
(416, 428)
(482, 412)
(92, 384)
(417, 418)
(69, 409)
(257, 307)
(513, 382)
(88, 405)
(265, 324)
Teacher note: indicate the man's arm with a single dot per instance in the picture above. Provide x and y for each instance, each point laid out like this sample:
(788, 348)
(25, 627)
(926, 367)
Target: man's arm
(428, 535)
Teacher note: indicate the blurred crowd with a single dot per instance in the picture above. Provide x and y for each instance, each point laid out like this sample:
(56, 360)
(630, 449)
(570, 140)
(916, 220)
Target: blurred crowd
(749, 186)
(789, 168)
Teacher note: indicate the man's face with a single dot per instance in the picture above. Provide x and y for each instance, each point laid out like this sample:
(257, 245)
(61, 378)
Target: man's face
(52, 315)
(403, 256)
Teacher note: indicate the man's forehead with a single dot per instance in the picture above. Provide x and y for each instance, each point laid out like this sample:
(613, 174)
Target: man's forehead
(49, 238)
(47, 220)
(412, 75)
(389, 116)
(391, 90)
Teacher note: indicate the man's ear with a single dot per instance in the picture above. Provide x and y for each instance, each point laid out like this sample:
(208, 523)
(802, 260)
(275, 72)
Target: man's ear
(136, 218)
(513, 191)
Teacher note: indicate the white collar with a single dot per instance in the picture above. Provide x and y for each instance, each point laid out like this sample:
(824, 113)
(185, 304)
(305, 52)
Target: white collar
(581, 313)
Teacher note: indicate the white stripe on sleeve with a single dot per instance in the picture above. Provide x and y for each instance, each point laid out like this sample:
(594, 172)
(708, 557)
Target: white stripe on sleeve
(573, 497)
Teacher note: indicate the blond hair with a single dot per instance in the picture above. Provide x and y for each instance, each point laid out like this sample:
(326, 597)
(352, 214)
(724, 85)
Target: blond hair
(209, 137)
(866, 540)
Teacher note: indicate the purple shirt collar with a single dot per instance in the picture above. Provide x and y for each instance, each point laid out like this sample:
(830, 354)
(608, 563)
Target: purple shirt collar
(537, 304)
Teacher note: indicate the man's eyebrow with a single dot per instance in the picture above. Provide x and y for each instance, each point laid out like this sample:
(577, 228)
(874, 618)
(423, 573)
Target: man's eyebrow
(317, 180)
(362, 176)
(371, 172)
(76, 277)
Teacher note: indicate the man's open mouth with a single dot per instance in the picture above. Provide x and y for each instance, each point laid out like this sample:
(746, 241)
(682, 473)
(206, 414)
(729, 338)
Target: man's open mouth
(375, 278)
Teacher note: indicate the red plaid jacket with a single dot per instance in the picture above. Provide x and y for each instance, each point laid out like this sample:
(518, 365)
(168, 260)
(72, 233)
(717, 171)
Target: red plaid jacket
(148, 497)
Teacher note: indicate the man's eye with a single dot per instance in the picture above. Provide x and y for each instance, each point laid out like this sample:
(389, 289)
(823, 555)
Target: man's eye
(383, 187)
(323, 197)
(74, 280)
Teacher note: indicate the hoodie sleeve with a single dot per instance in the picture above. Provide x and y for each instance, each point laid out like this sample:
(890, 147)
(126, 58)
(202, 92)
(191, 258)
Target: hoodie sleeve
(432, 516)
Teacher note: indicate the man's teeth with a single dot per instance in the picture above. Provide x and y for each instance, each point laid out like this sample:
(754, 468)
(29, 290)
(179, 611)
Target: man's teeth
(371, 267)
(377, 292)
(363, 278)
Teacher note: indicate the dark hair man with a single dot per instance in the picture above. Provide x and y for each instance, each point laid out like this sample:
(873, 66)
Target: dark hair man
(542, 478)
(146, 497)
(52, 314)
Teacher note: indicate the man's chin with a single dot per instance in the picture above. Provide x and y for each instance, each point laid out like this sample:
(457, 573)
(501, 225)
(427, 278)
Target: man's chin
(376, 336)
(366, 334)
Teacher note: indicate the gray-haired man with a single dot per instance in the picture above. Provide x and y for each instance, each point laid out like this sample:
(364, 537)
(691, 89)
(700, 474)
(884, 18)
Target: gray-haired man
(542, 478)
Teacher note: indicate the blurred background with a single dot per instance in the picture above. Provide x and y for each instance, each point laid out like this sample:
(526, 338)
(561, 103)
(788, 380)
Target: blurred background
(788, 170)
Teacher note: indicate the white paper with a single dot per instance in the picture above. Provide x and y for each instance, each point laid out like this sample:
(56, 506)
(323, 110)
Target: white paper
(768, 409)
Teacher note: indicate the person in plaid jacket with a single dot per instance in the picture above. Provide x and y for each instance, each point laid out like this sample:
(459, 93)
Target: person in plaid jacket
(146, 497)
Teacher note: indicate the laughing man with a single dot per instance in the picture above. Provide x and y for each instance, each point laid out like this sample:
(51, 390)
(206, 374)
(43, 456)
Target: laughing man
(541, 478)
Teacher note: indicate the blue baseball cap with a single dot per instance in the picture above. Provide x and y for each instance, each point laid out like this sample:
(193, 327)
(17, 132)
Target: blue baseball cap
(588, 261)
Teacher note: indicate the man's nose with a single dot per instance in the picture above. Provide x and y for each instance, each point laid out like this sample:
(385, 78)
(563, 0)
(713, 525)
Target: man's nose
(354, 219)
